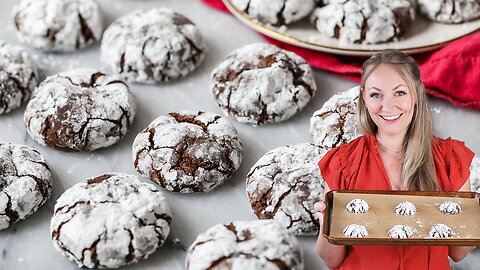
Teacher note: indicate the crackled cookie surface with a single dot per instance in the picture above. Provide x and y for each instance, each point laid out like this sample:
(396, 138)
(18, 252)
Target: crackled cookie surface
(257, 244)
(440, 231)
(357, 206)
(58, 25)
(25, 182)
(451, 208)
(276, 12)
(109, 221)
(336, 122)
(450, 11)
(188, 151)
(364, 21)
(151, 46)
(285, 183)
(355, 230)
(401, 231)
(18, 76)
(79, 110)
(261, 83)
(406, 209)
(475, 174)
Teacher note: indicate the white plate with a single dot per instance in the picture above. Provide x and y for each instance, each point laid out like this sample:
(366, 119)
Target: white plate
(424, 35)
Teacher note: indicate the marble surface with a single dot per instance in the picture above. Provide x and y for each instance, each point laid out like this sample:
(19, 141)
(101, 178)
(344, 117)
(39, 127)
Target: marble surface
(27, 244)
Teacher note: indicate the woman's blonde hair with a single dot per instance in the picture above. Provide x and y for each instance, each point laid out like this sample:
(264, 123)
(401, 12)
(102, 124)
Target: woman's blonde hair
(418, 168)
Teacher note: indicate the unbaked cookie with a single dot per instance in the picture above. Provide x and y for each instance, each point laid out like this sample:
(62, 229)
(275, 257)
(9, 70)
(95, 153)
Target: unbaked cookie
(257, 244)
(188, 151)
(451, 208)
(357, 206)
(261, 83)
(109, 221)
(475, 174)
(18, 76)
(355, 230)
(364, 21)
(276, 12)
(25, 182)
(58, 25)
(79, 110)
(406, 209)
(150, 46)
(401, 231)
(336, 122)
(440, 231)
(450, 11)
(285, 183)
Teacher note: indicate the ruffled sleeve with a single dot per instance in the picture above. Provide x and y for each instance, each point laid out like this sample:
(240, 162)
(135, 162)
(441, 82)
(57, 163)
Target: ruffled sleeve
(332, 167)
(456, 158)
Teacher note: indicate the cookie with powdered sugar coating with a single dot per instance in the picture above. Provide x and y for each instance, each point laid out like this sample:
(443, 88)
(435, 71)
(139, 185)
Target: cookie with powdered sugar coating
(151, 46)
(79, 110)
(276, 12)
(58, 25)
(450, 11)
(25, 182)
(285, 183)
(364, 21)
(475, 174)
(257, 244)
(188, 151)
(260, 84)
(109, 221)
(336, 122)
(18, 76)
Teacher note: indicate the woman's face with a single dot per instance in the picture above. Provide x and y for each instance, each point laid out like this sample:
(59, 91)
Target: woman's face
(389, 101)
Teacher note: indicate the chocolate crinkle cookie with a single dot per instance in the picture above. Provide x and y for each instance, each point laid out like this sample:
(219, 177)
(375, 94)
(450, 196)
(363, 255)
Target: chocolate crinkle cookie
(450, 11)
(151, 46)
(475, 174)
(25, 182)
(188, 151)
(109, 221)
(364, 21)
(58, 25)
(336, 122)
(79, 110)
(260, 84)
(276, 12)
(285, 183)
(257, 244)
(18, 76)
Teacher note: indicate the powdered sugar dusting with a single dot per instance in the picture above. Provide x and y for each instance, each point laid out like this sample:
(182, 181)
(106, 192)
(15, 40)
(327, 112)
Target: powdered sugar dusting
(276, 12)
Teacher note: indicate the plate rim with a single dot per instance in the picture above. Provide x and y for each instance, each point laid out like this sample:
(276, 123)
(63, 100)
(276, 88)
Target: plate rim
(324, 48)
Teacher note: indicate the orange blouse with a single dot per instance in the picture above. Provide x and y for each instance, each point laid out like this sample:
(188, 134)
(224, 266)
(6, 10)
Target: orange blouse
(358, 166)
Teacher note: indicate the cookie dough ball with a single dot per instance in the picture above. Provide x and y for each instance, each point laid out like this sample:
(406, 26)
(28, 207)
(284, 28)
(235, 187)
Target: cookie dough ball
(450, 11)
(401, 231)
(151, 46)
(79, 110)
(276, 12)
(336, 122)
(260, 84)
(406, 209)
(188, 151)
(25, 182)
(355, 230)
(357, 206)
(18, 76)
(440, 231)
(285, 183)
(58, 25)
(364, 21)
(257, 244)
(450, 208)
(109, 221)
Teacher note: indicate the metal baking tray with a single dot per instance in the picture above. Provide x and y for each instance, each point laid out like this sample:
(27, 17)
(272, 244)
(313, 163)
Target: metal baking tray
(381, 217)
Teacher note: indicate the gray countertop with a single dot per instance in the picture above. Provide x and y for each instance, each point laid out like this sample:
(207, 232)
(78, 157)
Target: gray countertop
(27, 244)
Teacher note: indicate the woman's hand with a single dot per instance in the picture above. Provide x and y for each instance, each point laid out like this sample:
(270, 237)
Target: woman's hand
(319, 208)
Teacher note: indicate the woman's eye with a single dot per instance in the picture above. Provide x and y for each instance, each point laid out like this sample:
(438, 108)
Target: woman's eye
(400, 93)
(375, 95)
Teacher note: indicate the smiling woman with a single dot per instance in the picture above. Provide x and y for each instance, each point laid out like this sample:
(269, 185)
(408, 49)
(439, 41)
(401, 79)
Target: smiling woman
(398, 152)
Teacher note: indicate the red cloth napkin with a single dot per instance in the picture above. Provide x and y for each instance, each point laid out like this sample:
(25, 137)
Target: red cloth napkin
(451, 72)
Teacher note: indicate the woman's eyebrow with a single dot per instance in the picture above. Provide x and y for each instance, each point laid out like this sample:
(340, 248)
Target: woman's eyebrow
(378, 89)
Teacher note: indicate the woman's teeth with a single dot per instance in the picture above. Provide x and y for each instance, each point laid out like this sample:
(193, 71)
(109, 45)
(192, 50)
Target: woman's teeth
(390, 118)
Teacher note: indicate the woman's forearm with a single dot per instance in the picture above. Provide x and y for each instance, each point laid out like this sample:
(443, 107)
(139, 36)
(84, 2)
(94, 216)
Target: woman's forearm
(332, 255)
(457, 253)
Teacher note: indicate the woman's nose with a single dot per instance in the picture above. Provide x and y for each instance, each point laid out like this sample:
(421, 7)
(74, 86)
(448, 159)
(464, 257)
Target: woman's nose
(388, 103)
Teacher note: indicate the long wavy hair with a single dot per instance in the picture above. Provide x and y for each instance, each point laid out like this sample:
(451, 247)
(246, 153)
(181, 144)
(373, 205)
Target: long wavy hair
(418, 167)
